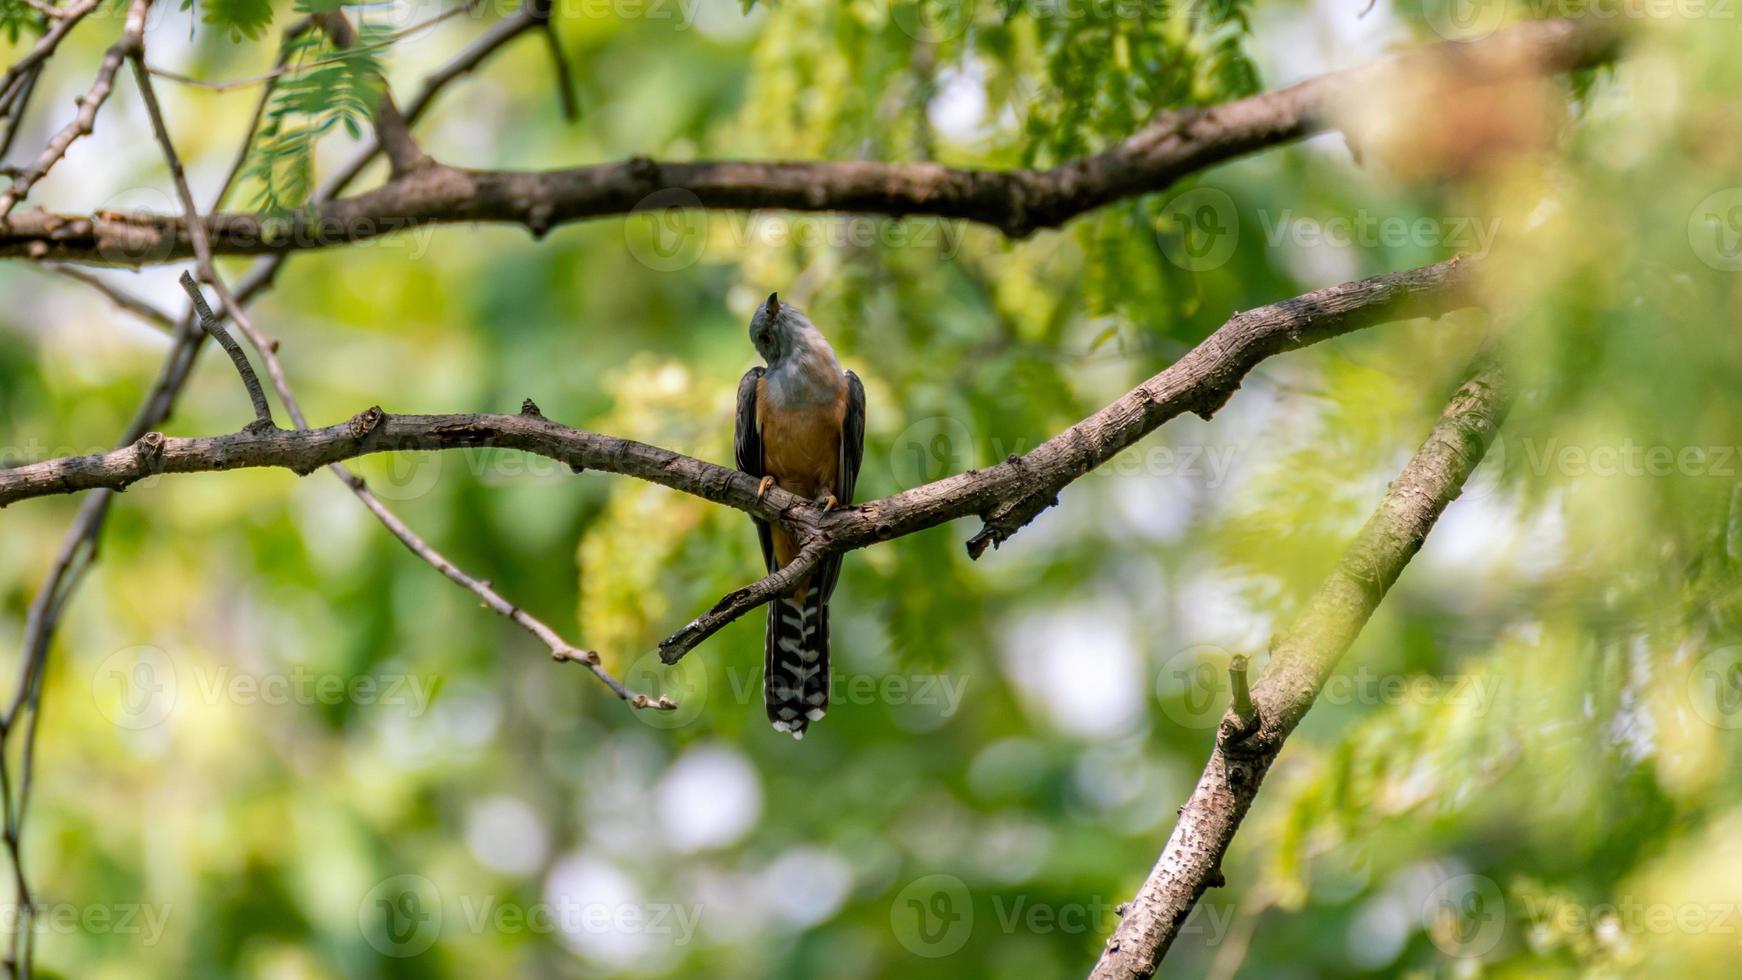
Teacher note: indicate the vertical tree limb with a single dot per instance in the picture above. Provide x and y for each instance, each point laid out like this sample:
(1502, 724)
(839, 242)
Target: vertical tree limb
(1302, 660)
(565, 84)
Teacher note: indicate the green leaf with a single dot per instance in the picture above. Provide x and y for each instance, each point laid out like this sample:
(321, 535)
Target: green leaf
(325, 88)
(240, 18)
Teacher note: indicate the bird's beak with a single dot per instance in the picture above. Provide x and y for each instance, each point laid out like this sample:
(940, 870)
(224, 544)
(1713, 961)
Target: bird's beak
(773, 304)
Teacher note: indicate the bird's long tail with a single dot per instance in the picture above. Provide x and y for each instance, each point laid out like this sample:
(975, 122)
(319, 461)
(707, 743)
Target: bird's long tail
(795, 682)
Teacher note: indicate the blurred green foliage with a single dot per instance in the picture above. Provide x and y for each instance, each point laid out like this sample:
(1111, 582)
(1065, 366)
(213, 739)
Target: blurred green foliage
(1528, 759)
(323, 87)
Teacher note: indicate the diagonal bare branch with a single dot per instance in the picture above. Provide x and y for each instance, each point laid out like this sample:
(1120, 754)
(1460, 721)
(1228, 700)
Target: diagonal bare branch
(465, 62)
(559, 62)
(737, 603)
(86, 118)
(45, 46)
(1200, 382)
(14, 105)
(1302, 660)
(121, 298)
(250, 381)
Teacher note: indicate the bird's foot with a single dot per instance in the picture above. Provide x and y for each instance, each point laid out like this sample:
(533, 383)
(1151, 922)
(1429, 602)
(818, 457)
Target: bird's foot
(828, 501)
(762, 488)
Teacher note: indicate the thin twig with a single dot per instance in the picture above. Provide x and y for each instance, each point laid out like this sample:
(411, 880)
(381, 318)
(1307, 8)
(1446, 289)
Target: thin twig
(262, 411)
(39, 624)
(560, 649)
(565, 86)
(17, 107)
(121, 298)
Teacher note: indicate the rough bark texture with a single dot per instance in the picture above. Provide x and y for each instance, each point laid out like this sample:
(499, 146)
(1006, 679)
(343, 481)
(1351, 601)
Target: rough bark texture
(1007, 494)
(1301, 661)
(1018, 202)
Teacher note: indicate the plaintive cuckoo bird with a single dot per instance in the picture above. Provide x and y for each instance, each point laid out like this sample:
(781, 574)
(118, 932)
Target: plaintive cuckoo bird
(801, 427)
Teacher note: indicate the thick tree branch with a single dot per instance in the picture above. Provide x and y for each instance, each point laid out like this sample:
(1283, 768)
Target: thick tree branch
(1018, 202)
(1302, 660)
(1201, 381)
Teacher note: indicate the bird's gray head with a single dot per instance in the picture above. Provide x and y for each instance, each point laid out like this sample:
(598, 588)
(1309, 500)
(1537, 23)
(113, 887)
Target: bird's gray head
(779, 329)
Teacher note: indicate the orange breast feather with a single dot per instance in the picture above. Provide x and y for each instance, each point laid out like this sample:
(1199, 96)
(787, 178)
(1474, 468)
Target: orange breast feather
(801, 449)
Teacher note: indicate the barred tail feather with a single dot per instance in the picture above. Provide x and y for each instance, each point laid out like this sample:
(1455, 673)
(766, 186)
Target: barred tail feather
(795, 683)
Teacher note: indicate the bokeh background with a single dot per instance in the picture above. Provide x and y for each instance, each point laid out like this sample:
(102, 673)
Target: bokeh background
(275, 744)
